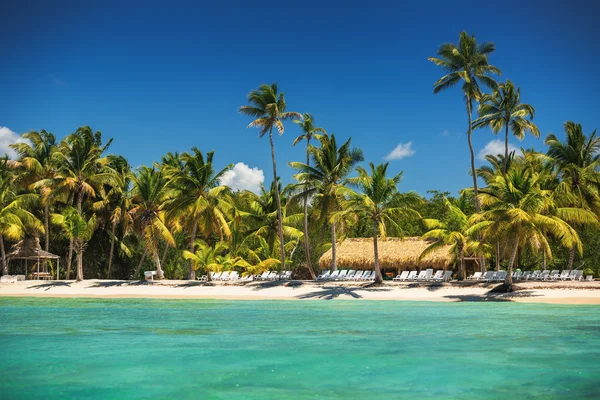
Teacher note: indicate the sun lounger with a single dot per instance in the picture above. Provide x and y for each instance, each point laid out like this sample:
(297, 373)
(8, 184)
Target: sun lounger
(272, 276)
(149, 275)
(534, 275)
(369, 276)
(411, 276)
(476, 276)
(437, 275)
(500, 276)
(349, 275)
(421, 276)
(554, 275)
(286, 276)
(566, 274)
(358, 275)
(333, 275)
(488, 276)
(576, 275)
(545, 275)
(248, 278)
(224, 276)
(446, 276)
(589, 278)
(402, 276)
(8, 279)
(525, 275)
(202, 278)
(215, 275)
(324, 276)
(234, 276)
(342, 275)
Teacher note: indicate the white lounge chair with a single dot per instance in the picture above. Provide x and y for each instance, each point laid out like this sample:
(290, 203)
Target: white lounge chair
(8, 279)
(286, 276)
(500, 276)
(324, 276)
(225, 276)
(369, 276)
(421, 276)
(148, 275)
(589, 278)
(215, 275)
(438, 274)
(525, 275)
(412, 275)
(487, 276)
(447, 275)
(202, 278)
(342, 275)
(333, 275)
(234, 276)
(402, 276)
(476, 276)
(576, 275)
(545, 275)
(263, 276)
(358, 275)
(273, 275)
(350, 275)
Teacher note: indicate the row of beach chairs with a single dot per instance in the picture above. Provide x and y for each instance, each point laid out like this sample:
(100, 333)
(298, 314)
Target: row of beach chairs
(424, 276)
(234, 276)
(347, 275)
(546, 275)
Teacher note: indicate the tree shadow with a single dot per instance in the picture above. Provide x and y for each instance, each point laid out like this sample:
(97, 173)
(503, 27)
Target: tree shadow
(271, 284)
(50, 285)
(191, 284)
(109, 284)
(329, 293)
(493, 296)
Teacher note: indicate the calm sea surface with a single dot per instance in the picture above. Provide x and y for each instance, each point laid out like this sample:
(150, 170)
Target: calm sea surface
(199, 349)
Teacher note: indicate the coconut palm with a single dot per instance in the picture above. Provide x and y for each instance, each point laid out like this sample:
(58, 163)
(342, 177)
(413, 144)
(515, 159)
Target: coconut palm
(451, 230)
(200, 200)
(503, 109)
(151, 193)
(466, 62)
(77, 228)
(331, 166)
(519, 210)
(213, 258)
(309, 130)
(379, 202)
(269, 109)
(576, 162)
(36, 158)
(15, 217)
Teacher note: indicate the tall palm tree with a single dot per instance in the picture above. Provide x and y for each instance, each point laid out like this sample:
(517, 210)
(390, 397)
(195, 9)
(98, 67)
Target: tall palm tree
(379, 202)
(503, 109)
(200, 199)
(36, 158)
(307, 124)
(81, 171)
(451, 230)
(518, 209)
(466, 62)
(14, 214)
(269, 109)
(321, 181)
(576, 161)
(151, 193)
(79, 229)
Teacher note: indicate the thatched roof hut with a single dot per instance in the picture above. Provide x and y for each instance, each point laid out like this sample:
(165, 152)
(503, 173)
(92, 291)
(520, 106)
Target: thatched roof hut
(29, 249)
(394, 254)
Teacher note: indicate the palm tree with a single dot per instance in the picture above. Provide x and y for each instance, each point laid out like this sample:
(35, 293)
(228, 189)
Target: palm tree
(503, 109)
(331, 166)
(466, 62)
(308, 131)
(79, 230)
(36, 158)
(81, 170)
(151, 193)
(576, 162)
(518, 209)
(269, 109)
(200, 199)
(379, 202)
(14, 215)
(451, 230)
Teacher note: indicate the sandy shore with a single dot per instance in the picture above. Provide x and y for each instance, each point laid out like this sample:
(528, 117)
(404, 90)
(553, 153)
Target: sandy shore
(533, 292)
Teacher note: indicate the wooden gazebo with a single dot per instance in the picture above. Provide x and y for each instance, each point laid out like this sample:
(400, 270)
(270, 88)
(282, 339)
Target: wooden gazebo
(29, 250)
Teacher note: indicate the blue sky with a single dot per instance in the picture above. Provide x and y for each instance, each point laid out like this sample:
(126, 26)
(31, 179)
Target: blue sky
(167, 76)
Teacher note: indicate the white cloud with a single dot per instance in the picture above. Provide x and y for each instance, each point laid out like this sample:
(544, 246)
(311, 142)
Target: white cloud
(401, 151)
(8, 137)
(445, 132)
(494, 147)
(242, 177)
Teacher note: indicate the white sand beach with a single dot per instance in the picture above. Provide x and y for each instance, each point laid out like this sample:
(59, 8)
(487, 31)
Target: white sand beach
(533, 292)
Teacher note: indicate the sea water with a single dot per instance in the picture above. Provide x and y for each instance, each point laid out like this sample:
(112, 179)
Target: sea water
(203, 349)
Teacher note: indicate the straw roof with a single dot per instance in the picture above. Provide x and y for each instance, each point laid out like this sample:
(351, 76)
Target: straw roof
(29, 249)
(394, 253)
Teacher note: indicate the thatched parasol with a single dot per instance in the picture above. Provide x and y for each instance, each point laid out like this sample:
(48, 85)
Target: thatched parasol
(394, 254)
(29, 249)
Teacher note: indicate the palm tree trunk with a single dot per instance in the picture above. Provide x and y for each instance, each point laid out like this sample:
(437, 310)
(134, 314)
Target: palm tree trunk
(279, 217)
(165, 253)
(543, 260)
(333, 248)
(69, 258)
(192, 271)
(461, 262)
(136, 274)
(306, 241)
(47, 226)
(79, 255)
(112, 247)
(505, 164)
(508, 282)
(462, 266)
(159, 271)
(4, 263)
(497, 254)
(474, 173)
(571, 258)
(378, 276)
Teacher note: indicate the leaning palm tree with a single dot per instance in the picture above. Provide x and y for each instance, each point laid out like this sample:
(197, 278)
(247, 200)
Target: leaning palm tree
(309, 130)
(503, 109)
(519, 210)
(77, 228)
(466, 62)
(379, 203)
(269, 109)
(321, 181)
(576, 161)
(150, 196)
(200, 200)
(451, 231)
(36, 158)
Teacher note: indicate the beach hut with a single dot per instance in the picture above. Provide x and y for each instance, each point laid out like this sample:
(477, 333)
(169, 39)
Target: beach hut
(395, 254)
(30, 253)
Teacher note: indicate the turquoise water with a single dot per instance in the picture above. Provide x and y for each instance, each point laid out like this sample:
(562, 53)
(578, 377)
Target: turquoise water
(199, 349)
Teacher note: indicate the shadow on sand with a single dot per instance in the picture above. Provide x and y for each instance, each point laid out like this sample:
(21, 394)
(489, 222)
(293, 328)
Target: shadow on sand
(50, 285)
(329, 293)
(109, 284)
(493, 296)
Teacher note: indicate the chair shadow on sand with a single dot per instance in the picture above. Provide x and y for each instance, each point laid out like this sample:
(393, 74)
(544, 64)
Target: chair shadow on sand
(109, 284)
(49, 285)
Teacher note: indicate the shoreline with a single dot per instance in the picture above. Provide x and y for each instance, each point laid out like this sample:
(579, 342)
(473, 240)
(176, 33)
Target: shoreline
(528, 292)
